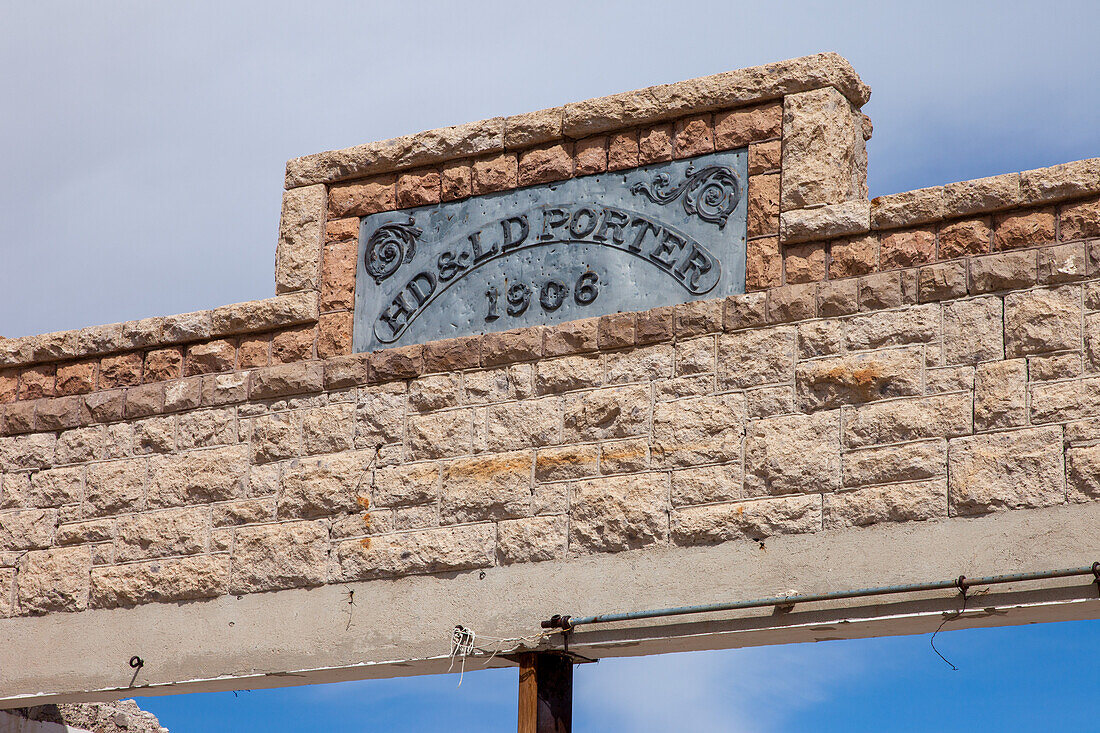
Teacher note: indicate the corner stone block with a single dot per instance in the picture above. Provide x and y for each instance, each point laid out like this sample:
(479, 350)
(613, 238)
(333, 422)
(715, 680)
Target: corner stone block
(1013, 470)
(277, 556)
(793, 454)
(54, 580)
(301, 237)
(822, 147)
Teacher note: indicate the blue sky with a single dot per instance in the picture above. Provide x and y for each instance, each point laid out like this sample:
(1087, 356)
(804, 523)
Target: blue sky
(143, 147)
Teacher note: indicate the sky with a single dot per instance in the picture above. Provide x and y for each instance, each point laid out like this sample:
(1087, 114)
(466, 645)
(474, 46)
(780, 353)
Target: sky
(142, 149)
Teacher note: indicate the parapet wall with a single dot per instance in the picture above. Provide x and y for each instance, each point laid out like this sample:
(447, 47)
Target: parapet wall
(924, 357)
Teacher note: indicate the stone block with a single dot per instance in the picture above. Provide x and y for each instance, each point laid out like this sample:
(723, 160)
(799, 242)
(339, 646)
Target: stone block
(1054, 366)
(495, 173)
(855, 378)
(763, 205)
(622, 150)
(1062, 401)
(73, 378)
(571, 338)
(965, 238)
(624, 456)
(824, 222)
(490, 487)
(440, 550)
(52, 488)
(907, 247)
(204, 428)
(618, 513)
(114, 487)
(506, 347)
(696, 430)
(694, 356)
(765, 157)
(27, 451)
(276, 436)
(1012, 470)
(793, 454)
(514, 382)
(881, 290)
(745, 311)
(1023, 229)
(707, 484)
(301, 236)
(1083, 473)
(440, 434)
(122, 370)
(418, 188)
(896, 421)
(163, 533)
(546, 163)
(568, 373)
(643, 364)
(913, 325)
(792, 303)
(160, 581)
(243, 511)
(277, 556)
(982, 194)
(360, 199)
(853, 256)
(79, 533)
(224, 389)
(60, 413)
(942, 281)
(753, 358)
(54, 580)
(1044, 319)
(534, 539)
(590, 155)
(452, 354)
(198, 476)
(821, 149)
(295, 344)
(1000, 394)
(1062, 264)
(380, 415)
(892, 463)
(905, 502)
(27, 529)
(532, 128)
(566, 462)
(405, 484)
(612, 412)
(655, 144)
(434, 392)
(751, 520)
(973, 330)
(144, 399)
(739, 127)
(1007, 271)
(456, 180)
(317, 487)
(805, 263)
(907, 208)
(214, 356)
(154, 435)
(763, 263)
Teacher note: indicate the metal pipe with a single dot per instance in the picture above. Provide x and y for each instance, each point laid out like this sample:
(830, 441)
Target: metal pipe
(962, 583)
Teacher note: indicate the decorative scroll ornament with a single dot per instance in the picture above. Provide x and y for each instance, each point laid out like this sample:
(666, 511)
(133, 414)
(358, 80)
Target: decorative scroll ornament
(710, 193)
(389, 247)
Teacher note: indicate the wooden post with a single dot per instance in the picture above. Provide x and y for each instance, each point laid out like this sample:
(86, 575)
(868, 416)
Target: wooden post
(545, 693)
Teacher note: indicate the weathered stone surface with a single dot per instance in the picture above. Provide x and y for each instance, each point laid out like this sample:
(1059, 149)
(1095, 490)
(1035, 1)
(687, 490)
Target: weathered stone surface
(837, 298)
(27, 451)
(850, 379)
(907, 208)
(907, 247)
(806, 263)
(424, 148)
(317, 487)
(824, 222)
(380, 415)
(896, 421)
(1059, 182)
(1044, 319)
(276, 556)
(370, 196)
(418, 188)
(495, 173)
(698, 430)
(1023, 228)
(445, 549)
(405, 484)
(1083, 473)
(159, 581)
(440, 434)
(792, 303)
(545, 163)
(982, 194)
(707, 484)
(328, 429)
(487, 487)
(1061, 401)
(1054, 366)
(301, 235)
(973, 330)
(1061, 264)
(612, 412)
(532, 128)
(568, 373)
(54, 580)
(243, 511)
(1012, 470)
(880, 290)
(1000, 394)
(821, 149)
(1007, 271)
(763, 263)
(906, 502)
(916, 324)
(643, 364)
(566, 462)
(739, 127)
(532, 540)
(618, 513)
(27, 529)
(115, 486)
(694, 356)
(42, 488)
(756, 357)
(965, 238)
(198, 476)
(793, 454)
(887, 464)
(276, 436)
(265, 315)
(457, 180)
(154, 435)
(941, 281)
(590, 155)
(624, 456)
(763, 205)
(752, 520)
(853, 256)
(286, 379)
(158, 534)
(203, 428)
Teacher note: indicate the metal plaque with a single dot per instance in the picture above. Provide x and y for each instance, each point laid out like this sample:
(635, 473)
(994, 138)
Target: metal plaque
(626, 241)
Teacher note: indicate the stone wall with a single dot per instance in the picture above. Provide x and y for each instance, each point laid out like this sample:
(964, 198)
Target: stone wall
(920, 357)
(123, 716)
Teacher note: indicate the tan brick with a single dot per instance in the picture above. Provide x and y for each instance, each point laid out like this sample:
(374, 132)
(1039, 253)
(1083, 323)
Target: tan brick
(568, 373)
(973, 330)
(697, 317)
(27, 451)
(334, 335)
(793, 454)
(276, 436)
(1080, 220)
(765, 157)
(405, 484)
(338, 276)
(487, 487)
(571, 338)
(881, 290)
(161, 534)
(534, 539)
(906, 502)
(1062, 264)
(144, 400)
(51, 488)
(760, 356)
(286, 379)
(792, 303)
(277, 556)
(752, 520)
(707, 484)
(615, 330)
(820, 338)
(27, 529)
(694, 356)
(360, 199)
(697, 430)
(1000, 394)
(1013, 470)
(763, 264)
(443, 549)
(328, 429)
(763, 205)
(889, 464)
(440, 434)
(546, 163)
(159, 581)
(642, 364)
(916, 324)
(618, 513)
(1083, 473)
(745, 311)
(380, 415)
(9, 385)
(452, 354)
(114, 487)
(612, 412)
(198, 476)
(317, 487)
(1007, 271)
(403, 362)
(54, 580)
(1045, 319)
(1061, 401)
(851, 379)
(505, 347)
(1023, 229)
